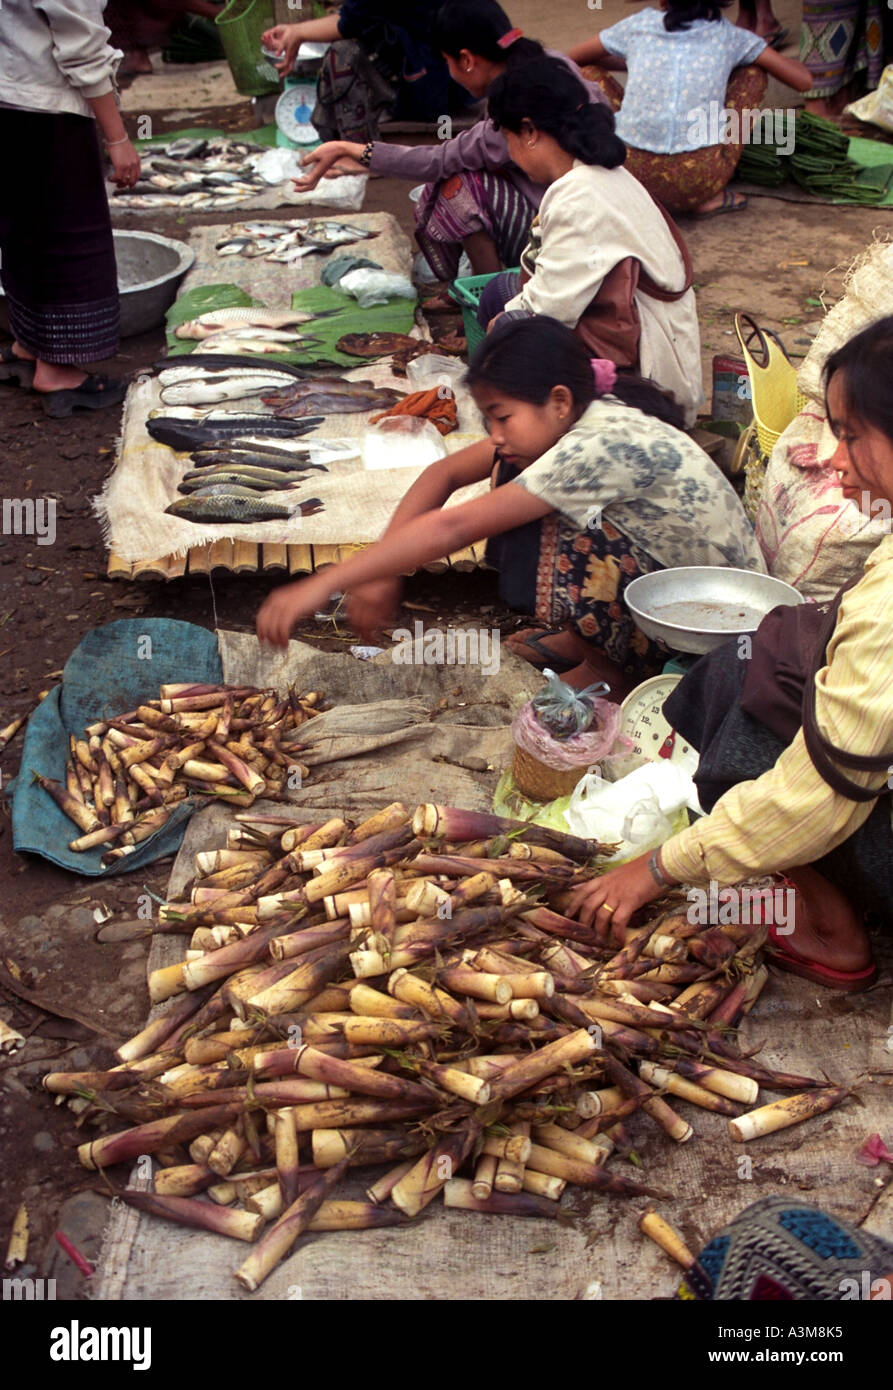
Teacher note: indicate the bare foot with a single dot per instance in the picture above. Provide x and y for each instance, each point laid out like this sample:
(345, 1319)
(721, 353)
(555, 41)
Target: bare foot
(561, 646)
(827, 928)
(727, 200)
(23, 353)
(599, 668)
(48, 376)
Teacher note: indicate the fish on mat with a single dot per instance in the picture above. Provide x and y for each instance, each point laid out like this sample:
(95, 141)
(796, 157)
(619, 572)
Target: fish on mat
(231, 507)
(187, 435)
(199, 391)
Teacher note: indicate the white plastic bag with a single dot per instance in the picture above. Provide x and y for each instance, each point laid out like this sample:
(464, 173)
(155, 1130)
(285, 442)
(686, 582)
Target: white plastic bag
(402, 441)
(636, 813)
(877, 106)
(370, 287)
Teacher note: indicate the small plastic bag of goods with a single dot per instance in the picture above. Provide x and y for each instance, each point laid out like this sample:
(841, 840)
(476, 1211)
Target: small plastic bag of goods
(402, 441)
(559, 734)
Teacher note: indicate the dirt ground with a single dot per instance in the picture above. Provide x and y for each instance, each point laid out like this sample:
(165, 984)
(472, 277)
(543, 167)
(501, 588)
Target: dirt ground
(775, 260)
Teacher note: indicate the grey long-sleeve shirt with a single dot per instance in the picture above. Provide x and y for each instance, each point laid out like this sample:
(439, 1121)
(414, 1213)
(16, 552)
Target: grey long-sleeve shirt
(481, 147)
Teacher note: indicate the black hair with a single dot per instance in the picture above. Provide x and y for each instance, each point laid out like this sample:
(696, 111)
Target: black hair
(527, 358)
(546, 92)
(478, 25)
(679, 14)
(866, 364)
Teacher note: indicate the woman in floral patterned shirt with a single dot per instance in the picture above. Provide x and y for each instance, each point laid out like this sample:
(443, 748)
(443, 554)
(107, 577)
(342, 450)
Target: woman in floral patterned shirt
(594, 483)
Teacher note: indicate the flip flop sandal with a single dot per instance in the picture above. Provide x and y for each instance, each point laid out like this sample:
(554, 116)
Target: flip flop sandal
(94, 393)
(556, 663)
(729, 204)
(15, 371)
(782, 954)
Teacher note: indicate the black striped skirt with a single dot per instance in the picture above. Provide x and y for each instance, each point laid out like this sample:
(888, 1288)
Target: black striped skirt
(58, 256)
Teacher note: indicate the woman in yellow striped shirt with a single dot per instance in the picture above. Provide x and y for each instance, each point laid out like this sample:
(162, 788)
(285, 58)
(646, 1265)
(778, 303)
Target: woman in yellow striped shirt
(775, 812)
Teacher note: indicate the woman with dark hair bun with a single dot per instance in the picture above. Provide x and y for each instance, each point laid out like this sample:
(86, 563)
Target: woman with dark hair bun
(475, 198)
(603, 256)
(592, 484)
(695, 80)
(796, 743)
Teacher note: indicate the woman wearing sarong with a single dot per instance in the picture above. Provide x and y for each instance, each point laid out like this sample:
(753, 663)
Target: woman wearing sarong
(817, 806)
(58, 257)
(595, 484)
(602, 257)
(844, 45)
(692, 78)
(474, 198)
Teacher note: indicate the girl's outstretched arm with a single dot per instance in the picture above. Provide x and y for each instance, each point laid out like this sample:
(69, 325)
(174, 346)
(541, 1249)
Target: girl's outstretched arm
(403, 549)
(787, 70)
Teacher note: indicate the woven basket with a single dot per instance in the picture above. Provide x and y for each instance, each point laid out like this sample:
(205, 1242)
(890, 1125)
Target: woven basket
(539, 782)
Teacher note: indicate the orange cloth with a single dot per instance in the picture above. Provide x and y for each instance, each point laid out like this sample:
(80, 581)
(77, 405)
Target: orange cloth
(432, 405)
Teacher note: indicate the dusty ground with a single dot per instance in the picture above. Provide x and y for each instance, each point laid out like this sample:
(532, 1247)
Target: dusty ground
(774, 260)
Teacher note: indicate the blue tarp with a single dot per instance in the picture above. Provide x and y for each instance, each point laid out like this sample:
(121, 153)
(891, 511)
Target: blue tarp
(114, 669)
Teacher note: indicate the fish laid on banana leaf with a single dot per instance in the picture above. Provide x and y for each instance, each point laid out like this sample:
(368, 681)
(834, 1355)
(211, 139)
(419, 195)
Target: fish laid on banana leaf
(187, 435)
(233, 508)
(203, 325)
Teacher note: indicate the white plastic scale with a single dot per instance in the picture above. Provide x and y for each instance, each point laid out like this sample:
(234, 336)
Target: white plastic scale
(644, 723)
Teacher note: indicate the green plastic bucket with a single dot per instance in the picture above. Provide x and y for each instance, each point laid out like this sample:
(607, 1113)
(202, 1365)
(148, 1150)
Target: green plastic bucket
(241, 24)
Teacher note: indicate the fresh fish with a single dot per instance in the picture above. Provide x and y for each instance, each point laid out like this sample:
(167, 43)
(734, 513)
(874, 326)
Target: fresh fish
(327, 233)
(187, 372)
(199, 391)
(187, 435)
(336, 405)
(218, 362)
(186, 148)
(229, 507)
(256, 317)
(228, 457)
(203, 479)
(258, 346)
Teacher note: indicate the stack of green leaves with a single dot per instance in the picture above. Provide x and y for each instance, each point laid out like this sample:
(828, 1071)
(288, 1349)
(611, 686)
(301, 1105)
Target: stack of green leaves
(762, 164)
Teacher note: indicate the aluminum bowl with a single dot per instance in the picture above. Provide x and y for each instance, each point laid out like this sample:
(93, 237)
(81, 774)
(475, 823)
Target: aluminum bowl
(697, 607)
(150, 268)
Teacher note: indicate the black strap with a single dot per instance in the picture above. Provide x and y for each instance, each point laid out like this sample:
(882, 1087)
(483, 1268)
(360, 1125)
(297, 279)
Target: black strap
(825, 756)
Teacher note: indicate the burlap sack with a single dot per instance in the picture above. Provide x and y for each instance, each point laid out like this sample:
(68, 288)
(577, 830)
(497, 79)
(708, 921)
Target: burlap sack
(868, 296)
(810, 535)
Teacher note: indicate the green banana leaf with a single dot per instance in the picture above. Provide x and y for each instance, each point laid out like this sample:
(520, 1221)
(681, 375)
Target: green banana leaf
(396, 316)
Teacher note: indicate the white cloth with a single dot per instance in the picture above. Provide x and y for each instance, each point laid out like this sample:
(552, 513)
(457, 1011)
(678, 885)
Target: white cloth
(589, 220)
(54, 55)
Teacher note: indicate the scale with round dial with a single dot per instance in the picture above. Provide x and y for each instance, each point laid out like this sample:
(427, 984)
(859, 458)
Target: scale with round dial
(644, 723)
(293, 111)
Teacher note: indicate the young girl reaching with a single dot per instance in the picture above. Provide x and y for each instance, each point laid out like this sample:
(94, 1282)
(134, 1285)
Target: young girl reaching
(593, 485)
(475, 198)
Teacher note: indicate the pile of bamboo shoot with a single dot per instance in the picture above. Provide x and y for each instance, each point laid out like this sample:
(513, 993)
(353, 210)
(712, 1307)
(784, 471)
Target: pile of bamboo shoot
(229, 743)
(409, 993)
